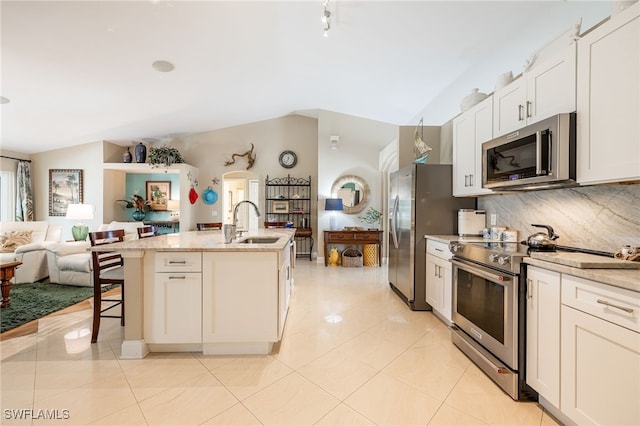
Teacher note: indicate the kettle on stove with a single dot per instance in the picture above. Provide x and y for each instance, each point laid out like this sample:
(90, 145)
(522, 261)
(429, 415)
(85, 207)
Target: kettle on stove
(541, 241)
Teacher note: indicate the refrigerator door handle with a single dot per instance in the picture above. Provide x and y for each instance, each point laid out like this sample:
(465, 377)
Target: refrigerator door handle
(394, 219)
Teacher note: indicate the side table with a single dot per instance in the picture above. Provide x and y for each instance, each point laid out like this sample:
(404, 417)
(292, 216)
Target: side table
(353, 237)
(7, 271)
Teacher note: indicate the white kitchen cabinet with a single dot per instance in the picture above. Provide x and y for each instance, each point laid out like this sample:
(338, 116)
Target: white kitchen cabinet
(543, 333)
(439, 281)
(608, 105)
(470, 130)
(285, 282)
(240, 314)
(600, 353)
(173, 300)
(548, 88)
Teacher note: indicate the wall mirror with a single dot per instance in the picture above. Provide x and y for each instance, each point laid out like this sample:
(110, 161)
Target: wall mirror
(354, 192)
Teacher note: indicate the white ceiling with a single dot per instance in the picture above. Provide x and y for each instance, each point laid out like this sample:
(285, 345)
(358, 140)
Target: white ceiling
(80, 71)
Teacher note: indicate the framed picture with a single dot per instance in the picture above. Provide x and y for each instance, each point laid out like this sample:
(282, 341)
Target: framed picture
(158, 193)
(280, 206)
(65, 187)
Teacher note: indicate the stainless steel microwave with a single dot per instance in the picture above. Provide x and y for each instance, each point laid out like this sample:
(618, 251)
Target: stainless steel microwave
(539, 156)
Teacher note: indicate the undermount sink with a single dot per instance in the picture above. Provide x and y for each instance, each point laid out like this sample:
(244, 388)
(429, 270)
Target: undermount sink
(259, 240)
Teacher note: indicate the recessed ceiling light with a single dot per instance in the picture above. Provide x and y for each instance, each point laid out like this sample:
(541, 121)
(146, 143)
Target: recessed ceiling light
(163, 66)
(4, 100)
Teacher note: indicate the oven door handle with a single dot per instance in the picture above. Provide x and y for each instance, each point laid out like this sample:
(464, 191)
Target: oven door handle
(495, 277)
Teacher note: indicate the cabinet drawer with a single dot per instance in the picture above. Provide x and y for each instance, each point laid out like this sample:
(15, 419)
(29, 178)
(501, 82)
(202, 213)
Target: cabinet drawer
(340, 236)
(178, 262)
(368, 237)
(613, 304)
(438, 249)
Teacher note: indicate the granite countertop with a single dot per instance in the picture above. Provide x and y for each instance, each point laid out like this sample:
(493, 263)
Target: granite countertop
(205, 241)
(449, 238)
(559, 261)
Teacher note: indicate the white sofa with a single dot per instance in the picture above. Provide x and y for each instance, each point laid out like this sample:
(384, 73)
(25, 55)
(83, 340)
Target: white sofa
(70, 263)
(34, 254)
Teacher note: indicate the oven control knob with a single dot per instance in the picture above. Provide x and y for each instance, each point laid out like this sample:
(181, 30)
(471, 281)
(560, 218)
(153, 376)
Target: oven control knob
(456, 248)
(503, 260)
(493, 257)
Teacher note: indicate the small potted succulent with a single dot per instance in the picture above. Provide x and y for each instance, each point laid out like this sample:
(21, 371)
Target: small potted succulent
(164, 156)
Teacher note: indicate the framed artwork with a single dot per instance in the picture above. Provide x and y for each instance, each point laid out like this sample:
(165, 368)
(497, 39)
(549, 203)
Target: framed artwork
(158, 193)
(65, 187)
(280, 206)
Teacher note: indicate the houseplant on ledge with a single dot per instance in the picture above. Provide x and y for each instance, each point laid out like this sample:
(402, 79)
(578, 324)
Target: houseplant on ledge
(164, 155)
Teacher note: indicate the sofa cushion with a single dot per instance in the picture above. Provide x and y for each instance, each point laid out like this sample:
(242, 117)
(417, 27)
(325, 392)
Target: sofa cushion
(11, 240)
(79, 262)
(41, 230)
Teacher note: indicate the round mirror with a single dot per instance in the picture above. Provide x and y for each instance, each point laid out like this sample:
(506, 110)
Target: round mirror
(354, 192)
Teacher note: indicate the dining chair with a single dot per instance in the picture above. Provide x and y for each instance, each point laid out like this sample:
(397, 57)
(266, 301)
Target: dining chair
(108, 269)
(147, 231)
(209, 226)
(275, 224)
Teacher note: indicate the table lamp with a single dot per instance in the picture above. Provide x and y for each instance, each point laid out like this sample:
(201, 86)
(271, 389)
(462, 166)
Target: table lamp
(80, 212)
(333, 205)
(174, 207)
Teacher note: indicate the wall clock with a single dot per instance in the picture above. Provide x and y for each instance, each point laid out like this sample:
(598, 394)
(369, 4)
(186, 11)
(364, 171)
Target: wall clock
(288, 159)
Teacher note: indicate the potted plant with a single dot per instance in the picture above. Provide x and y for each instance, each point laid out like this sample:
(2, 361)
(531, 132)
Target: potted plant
(164, 155)
(372, 216)
(139, 204)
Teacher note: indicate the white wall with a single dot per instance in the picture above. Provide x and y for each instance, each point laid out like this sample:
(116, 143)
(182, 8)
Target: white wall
(361, 141)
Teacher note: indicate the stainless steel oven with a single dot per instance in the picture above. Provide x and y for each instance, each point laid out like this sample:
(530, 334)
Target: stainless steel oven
(488, 315)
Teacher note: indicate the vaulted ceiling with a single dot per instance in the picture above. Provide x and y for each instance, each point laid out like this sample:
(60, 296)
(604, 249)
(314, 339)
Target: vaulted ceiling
(81, 71)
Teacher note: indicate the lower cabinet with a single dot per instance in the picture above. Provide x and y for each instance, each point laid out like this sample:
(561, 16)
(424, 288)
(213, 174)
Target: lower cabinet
(438, 281)
(240, 297)
(543, 333)
(173, 300)
(600, 353)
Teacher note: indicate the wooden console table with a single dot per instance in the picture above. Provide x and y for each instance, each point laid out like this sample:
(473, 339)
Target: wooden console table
(7, 271)
(352, 237)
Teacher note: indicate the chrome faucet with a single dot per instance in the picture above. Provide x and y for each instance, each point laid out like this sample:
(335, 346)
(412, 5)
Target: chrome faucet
(235, 214)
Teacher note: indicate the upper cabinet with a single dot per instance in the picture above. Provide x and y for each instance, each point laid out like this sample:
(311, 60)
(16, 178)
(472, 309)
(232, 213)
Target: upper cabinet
(546, 89)
(470, 130)
(608, 104)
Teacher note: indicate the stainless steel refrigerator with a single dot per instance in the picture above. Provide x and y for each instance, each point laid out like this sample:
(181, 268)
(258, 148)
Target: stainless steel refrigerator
(420, 204)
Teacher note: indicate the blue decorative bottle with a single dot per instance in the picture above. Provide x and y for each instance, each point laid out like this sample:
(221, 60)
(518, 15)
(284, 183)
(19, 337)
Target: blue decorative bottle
(127, 157)
(141, 153)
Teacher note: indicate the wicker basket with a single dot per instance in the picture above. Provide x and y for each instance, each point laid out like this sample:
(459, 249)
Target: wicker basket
(351, 258)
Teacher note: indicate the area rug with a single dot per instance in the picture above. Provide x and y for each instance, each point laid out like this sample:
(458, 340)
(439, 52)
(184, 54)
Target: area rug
(30, 301)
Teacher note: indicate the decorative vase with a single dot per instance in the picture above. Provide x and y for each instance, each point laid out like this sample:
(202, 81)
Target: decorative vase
(127, 157)
(334, 256)
(138, 215)
(141, 153)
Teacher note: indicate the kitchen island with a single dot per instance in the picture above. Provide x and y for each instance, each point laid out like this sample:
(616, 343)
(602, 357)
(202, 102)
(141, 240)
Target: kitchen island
(190, 291)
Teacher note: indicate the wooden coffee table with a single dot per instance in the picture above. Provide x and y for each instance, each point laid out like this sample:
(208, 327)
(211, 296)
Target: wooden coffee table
(7, 271)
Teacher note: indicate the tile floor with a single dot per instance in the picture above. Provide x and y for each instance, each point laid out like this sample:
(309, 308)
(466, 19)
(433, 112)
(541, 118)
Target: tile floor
(352, 354)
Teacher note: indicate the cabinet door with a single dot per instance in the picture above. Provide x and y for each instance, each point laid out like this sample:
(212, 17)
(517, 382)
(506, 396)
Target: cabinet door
(285, 280)
(470, 130)
(543, 333)
(173, 308)
(551, 86)
(446, 282)
(600, 370)
(240, 297)
(608, 104)
(432, 281)
(508, 107)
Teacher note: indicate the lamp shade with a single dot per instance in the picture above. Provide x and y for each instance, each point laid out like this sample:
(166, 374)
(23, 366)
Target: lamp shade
(334, 204)
(173, 205)
(80, 212)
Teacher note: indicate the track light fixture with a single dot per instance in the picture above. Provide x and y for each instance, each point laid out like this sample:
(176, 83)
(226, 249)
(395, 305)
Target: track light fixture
(326, 18)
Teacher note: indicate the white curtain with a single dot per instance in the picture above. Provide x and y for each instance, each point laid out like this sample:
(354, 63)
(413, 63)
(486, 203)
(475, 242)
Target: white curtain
(24, 193)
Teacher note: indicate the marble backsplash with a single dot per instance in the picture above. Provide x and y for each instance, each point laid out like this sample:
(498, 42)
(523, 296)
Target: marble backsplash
(601, 217)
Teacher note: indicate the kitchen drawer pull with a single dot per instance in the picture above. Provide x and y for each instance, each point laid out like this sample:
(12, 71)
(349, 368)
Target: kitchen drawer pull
(611, 305)
(177, 278)
(528, 109)
(520, 117)
(180, 262)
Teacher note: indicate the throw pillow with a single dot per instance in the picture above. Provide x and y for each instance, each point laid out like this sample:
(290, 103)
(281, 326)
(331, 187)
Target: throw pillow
(14, 239)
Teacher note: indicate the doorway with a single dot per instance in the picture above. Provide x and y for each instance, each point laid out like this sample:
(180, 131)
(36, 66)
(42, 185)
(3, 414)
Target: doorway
(237, 187)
